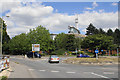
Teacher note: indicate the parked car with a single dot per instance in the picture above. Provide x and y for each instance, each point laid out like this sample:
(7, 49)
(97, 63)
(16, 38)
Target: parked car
(36, 55)
(53, 58)
(82, 55)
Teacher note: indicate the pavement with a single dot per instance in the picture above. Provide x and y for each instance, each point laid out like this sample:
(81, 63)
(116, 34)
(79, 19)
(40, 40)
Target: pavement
(40, 68)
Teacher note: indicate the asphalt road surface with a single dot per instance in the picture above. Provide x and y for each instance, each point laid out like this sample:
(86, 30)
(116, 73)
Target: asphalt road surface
(42, 69)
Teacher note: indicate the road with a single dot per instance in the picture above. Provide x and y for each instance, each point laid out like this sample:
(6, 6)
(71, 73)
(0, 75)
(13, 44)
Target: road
(42, 69)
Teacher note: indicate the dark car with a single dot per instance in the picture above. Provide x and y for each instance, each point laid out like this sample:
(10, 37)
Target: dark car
(36, 55)
(82, 55)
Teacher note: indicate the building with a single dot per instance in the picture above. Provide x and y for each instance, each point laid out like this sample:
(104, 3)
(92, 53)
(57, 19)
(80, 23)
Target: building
(72, 30)
(53, 36)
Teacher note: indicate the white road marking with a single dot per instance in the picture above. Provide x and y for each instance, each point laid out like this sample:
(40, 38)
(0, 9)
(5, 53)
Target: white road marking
(42, 70)
(101, 76)
(54, 71)
(54, 64)
(30, 69)
(70, 72)
(111, 68)
(88, 72)
(108, 72)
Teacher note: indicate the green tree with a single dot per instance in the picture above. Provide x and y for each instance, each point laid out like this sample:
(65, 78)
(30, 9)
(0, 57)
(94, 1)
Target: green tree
(99, 41)
(117, 36)
(91, 30)
(70, 45)
(19, 44)
(5, 37)
(109, 32)
(60, 41)
(41, 36)
(65, 41)
(22, 43)
(101, 31)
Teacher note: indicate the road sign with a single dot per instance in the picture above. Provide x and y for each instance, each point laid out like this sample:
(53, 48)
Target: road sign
(96, 51)
(35, 47)
(102, 50)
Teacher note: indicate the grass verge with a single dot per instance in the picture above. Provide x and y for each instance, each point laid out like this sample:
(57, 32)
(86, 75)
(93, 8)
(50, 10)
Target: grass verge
(91, 60)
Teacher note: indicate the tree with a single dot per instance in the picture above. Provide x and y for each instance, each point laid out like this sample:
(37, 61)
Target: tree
(5, 37)
(101, 31)
(117, 36)
(99, 41)
(22, 43)
(78, 42)
(19, 44)
(109, 32)
(91, 30)
(70, 45)
(65, 41)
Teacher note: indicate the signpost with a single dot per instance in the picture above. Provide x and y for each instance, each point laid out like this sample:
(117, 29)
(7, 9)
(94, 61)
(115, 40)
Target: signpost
(35, 47)
(96, 51)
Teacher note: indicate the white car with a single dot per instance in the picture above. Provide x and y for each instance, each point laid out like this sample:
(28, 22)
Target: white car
(54, 58)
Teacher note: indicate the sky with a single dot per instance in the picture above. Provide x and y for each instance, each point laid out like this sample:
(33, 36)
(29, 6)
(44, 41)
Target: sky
(57, 16)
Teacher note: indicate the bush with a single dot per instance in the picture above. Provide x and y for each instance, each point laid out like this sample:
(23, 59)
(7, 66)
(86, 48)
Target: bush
(59, 52)
(4, 78)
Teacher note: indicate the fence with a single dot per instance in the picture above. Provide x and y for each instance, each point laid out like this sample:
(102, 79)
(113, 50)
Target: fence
(4, 62)
(106, 52)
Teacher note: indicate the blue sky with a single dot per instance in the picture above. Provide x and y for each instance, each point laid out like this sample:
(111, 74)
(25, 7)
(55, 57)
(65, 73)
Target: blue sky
(78, 7)
(56, 16)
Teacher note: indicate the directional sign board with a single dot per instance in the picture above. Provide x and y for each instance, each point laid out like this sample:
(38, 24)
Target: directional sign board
(35, 47)
(96, 51)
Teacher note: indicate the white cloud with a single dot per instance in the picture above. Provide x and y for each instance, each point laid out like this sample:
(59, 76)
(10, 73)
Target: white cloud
(114, 4)
(23, 18)
(88, 8)
(101, 10)
(94, 5)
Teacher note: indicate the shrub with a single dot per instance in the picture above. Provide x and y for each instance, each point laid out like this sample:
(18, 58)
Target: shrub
(59, 52)
(4, 78)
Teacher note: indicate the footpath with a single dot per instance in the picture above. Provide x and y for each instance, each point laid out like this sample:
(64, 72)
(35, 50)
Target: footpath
(20, 71)
(17, 70)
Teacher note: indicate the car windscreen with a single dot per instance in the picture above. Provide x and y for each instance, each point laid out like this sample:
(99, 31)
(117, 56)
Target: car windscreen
(54, 56)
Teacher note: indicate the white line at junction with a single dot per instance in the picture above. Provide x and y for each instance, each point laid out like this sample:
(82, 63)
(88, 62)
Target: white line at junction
(108, 72)
(54, 71)
(101, 76)
(70, 72)
(42, 70)
(30, 69)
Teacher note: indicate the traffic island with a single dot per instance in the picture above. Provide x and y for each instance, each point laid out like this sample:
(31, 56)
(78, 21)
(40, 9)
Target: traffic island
(91, 61)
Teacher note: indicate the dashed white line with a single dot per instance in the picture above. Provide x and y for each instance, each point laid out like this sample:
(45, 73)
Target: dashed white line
(108, 72)
(70, 72)
(30, 69)
(42, 70)
(88, 72)
(54, 71)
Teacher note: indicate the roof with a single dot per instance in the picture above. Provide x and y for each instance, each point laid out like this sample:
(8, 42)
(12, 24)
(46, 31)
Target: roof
(74, 28)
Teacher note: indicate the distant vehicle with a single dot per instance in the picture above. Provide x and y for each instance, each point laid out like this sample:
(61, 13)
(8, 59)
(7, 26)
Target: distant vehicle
(53, 58)
(36, 55)
(82, 55)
